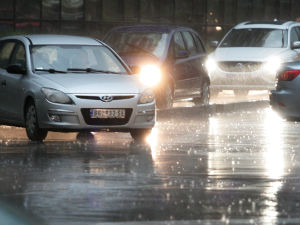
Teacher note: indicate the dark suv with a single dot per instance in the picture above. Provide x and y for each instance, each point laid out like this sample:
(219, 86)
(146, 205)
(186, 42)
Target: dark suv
(169, 59)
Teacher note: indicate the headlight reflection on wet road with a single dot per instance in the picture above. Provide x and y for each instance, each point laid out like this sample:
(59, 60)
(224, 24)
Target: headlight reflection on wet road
(274, 163)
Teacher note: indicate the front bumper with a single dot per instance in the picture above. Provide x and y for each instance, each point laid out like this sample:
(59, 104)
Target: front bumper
(63, 117)
(256, 80)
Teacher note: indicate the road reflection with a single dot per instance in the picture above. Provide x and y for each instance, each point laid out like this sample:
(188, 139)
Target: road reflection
(214, 168)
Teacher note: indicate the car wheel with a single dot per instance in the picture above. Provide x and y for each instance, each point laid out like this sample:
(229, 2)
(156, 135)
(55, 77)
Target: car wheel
(34, 132)
(140, 134)
(204, 99)
(166, 100)
(241, 92)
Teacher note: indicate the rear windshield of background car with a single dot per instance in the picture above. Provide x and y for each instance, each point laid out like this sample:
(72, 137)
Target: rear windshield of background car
(256, 37)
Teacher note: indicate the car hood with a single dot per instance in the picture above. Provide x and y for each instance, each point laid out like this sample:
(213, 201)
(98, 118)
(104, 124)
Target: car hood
(75, 83)
(246, 54)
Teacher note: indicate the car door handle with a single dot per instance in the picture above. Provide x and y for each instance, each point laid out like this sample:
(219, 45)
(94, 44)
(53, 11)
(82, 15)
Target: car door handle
(3, 83)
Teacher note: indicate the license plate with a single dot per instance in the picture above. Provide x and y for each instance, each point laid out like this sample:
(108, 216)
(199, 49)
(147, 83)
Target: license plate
(107, 113)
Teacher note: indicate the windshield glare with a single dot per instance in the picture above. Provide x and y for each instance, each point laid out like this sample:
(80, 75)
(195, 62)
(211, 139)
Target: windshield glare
(66, 57)
(139, 43)
(256, 37)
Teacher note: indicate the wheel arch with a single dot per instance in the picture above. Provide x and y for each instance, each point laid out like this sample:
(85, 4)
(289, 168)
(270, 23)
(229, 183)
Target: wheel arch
(29, 99)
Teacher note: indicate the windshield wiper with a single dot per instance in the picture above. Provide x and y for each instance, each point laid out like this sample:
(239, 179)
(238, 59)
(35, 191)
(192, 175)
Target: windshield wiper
(51, 70)
(91, 70)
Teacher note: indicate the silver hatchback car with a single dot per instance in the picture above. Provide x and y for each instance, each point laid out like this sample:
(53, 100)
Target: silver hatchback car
(70, 83)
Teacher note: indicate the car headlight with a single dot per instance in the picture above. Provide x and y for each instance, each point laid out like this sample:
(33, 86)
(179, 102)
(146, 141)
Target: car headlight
(272, 64)
(210, 64)
(56, 96)
(146, 97)
(150, 75)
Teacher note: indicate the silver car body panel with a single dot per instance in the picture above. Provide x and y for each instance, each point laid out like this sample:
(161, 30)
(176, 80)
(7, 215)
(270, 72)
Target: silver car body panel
(285, 99)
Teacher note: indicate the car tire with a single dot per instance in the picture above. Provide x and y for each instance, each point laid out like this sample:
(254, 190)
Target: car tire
(204, 99)
(140, 135)
(242, 93)
(33, 131)
(166, 100)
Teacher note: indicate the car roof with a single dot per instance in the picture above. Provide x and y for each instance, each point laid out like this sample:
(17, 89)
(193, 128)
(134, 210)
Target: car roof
(50, 39)
(276, 24)
(150, 28)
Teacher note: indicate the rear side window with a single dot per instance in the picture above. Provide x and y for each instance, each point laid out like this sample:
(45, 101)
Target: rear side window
(199, 44)
(295, 34)
(178, 43)
(5, 53)
(191, 47)
(19, 56)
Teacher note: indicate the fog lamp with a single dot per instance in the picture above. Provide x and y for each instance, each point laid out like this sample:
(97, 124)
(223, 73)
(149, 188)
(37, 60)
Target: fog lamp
(150, 117)
(54, 118)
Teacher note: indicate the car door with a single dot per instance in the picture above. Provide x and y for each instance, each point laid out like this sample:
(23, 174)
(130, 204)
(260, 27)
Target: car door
(196, 59)
(12, 91)
(6, 49)
(178, 65)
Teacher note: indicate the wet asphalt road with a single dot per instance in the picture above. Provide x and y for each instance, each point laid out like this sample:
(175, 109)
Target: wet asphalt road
(240, 167)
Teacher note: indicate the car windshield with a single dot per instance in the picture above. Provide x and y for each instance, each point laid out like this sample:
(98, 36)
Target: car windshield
(256, 37)
(138, 43)
(75, 58)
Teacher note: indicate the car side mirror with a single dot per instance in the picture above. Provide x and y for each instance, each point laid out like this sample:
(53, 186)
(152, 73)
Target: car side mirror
(214, 44)
(135, 69)
(16, 69)
(182, 54)
(296, 45)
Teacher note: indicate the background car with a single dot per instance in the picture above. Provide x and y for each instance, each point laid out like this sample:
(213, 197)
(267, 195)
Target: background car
(250, 54)
(285, 99)
(169, 59)
(70, 83)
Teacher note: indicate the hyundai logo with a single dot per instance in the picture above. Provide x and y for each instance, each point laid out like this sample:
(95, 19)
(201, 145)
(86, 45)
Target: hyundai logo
(106, 98)
(239, 67)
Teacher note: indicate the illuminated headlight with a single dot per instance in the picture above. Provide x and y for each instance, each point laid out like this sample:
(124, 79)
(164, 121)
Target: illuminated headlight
(210, 64)
(146, 97)
(150, 75)
(272, 64)
(56, 96)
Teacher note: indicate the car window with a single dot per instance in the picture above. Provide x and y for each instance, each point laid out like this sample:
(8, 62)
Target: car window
(64, 57)
(189, 40)
(19, 56)
(178, 43)
(295, 35)
(256, 37)
(5, 53)
(199, 44)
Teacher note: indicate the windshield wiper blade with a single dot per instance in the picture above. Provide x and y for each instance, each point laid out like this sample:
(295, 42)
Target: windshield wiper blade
(51, 70)
(91, 70)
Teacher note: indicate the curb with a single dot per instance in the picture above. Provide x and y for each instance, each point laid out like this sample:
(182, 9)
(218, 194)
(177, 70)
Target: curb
(212, 109)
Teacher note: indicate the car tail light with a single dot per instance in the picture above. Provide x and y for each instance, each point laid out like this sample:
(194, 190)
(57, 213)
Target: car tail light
(289, 75)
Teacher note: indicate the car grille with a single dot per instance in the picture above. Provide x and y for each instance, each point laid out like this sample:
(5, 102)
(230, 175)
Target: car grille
(116, 97)
(239, 66)
(96, 121)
